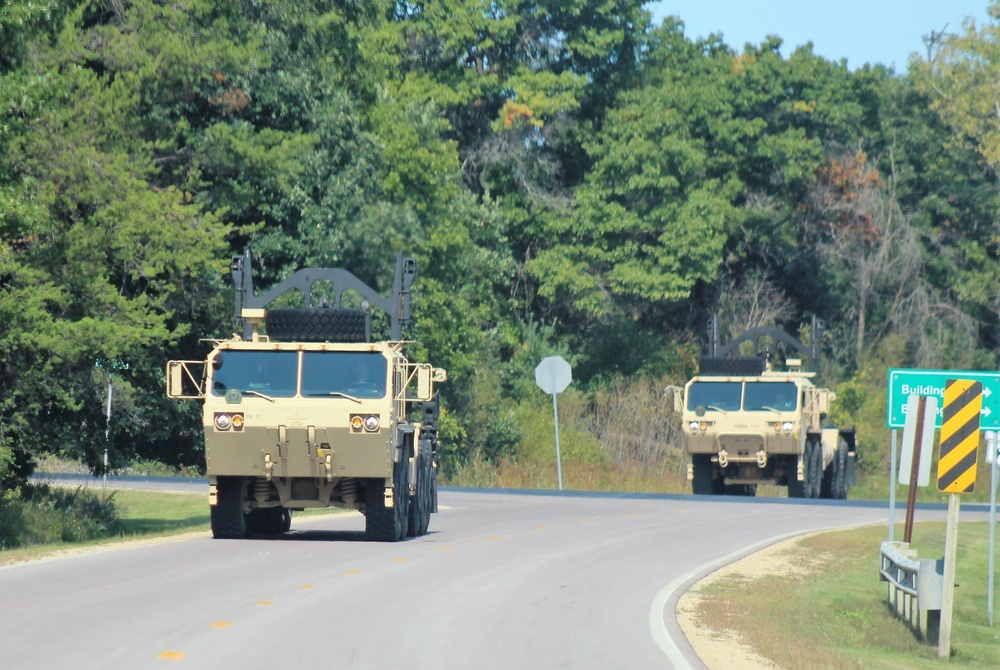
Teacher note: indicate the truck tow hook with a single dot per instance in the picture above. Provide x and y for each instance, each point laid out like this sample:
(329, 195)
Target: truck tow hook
(761, 459)
(723, 458)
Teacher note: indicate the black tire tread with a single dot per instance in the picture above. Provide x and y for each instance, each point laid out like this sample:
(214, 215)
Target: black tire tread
(316, 324)
(388, 525)
(744, 366)
(227, 518)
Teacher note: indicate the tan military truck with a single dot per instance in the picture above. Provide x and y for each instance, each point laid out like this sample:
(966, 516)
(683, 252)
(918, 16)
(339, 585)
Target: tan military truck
(748, 421)
(311, 413)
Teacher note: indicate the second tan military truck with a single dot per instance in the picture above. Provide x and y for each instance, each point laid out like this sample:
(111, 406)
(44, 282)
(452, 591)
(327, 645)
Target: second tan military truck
(761, 419)
(311, 413)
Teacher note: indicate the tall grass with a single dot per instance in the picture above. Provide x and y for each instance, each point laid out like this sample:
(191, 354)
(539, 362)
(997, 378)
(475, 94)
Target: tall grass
(622, 477)
(43, 514)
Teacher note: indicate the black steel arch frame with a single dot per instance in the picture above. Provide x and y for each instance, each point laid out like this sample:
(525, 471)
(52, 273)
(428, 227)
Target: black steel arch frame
(397, 308)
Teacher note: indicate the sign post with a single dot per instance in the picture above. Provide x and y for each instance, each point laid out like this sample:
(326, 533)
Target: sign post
(992, 457)
(918, 439)
(112, 367)
(963, 404)
(553, 375)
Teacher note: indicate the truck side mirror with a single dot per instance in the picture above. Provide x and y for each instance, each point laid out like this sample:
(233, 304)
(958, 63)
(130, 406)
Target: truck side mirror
(424, 388)
(182, 384)
(678, 394)
(175, 379)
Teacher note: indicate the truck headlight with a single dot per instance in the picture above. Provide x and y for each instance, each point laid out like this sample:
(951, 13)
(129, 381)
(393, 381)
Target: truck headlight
(693, 426)
(786, 427)
(227, 421)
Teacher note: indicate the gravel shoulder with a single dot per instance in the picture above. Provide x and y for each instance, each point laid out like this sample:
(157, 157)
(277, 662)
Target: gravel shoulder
(719, 648)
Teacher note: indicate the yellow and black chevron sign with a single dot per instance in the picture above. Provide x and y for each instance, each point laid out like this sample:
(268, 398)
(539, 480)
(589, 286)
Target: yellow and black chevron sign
(963, 401)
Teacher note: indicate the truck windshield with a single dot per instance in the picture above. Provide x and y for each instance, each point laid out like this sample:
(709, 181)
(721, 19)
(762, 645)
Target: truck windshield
(723, 396)
(766, 396)
(358, 374)
(269, 373)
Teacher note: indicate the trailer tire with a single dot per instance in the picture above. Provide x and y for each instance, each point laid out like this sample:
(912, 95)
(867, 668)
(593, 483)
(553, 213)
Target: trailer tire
(316, 324)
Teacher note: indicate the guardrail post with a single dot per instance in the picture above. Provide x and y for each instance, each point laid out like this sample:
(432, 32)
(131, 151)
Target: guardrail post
(914, 588)
(930, 590)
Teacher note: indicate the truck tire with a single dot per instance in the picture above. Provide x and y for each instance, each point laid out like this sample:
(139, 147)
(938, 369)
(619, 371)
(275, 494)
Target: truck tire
(745, 366)
(796, 489)
(388, 525)
(813, 468)
(840, 471)
(422, 500)
(703, 484)
(228, 520)
(316, 324)
(269, 521)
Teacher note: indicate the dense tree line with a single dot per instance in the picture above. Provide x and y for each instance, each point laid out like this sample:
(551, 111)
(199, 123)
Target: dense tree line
(571, 179)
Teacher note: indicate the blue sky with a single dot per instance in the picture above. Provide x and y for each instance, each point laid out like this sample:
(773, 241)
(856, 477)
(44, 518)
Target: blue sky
(862, 31)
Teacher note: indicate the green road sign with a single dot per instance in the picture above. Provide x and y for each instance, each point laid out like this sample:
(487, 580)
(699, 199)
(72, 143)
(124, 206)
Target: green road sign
(904, 383)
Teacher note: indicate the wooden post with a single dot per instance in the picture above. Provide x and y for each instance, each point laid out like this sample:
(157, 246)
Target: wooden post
(948, 590)
(911, 501)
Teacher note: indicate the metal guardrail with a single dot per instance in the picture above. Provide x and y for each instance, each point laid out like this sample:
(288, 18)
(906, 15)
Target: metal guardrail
(915, 588)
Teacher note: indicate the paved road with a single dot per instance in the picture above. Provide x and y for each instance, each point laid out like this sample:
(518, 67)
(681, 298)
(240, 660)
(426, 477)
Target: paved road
(502, 581)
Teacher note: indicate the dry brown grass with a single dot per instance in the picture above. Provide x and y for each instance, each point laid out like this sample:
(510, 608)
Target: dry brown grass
(621, 477)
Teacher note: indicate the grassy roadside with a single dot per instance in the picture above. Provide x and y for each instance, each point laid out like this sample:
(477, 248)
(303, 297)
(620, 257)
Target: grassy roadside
(829, 611)
(142, 515)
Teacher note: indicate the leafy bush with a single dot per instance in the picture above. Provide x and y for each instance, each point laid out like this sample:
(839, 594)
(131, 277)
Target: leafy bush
(43, 514)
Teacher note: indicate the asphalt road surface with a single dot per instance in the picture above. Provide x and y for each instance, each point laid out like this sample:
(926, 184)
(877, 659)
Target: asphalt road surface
(501, 581)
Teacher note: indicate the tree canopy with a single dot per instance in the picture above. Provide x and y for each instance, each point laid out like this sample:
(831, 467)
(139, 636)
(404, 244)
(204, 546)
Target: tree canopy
(571, 179)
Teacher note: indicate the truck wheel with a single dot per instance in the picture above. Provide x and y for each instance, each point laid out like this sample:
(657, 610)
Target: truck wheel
(316, 324)
(421, 502)
(388, 525)
(703, 484)
(228, 520)
(269, 521)
(796, 489)
(840, 471)
(814, 468)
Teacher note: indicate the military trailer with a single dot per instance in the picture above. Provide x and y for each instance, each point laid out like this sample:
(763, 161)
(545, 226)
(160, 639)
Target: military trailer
(747, 420)
(311, 413)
